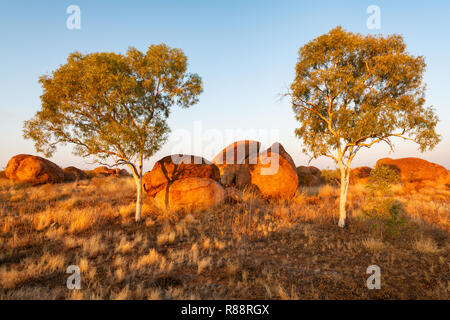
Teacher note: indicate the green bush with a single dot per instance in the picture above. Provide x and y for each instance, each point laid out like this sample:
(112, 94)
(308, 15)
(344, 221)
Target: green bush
(385, 212)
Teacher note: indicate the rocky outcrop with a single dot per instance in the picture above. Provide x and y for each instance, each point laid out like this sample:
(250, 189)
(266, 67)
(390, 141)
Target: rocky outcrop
(176, 167)
(105, 171)
(236, 153)
(360, 175)
(33, 169)
(310, 176)
(190, 193)
(74, 174)
(416, 170)
(274, 174)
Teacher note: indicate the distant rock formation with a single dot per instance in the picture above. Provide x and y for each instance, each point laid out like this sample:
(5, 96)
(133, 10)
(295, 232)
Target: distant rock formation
(310, 176)
(360, 175)
(74, 174)
(416, 170)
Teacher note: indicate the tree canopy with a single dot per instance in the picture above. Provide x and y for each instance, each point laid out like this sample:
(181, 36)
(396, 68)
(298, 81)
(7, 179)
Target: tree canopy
(113, 106)
(352, 91)
(359, 90)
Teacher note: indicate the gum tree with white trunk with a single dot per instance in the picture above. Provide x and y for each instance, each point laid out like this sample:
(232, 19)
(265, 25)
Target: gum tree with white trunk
(113, 107)
(352, 91)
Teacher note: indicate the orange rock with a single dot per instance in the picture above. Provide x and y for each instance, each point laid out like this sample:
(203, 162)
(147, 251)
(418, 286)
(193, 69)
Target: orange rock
(176, 167)
(278, 148)
(274, 175)
(360, 175)
(415, 170)
(238, 152)
(105, 171)
(74, 174)
(190, 193)
(310, 176)
(33, 169)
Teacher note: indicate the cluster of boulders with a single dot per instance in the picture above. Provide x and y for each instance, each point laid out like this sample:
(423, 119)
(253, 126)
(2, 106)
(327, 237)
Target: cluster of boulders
(416, 170)
(36, 170)
(183, 181)
(410, 170)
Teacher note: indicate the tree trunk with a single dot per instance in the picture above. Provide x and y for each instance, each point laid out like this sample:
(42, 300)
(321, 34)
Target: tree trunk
(138, 180)
(345, 179)
(139, 198)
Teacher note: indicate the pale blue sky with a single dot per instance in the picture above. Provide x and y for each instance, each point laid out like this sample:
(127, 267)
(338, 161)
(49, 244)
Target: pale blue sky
(245, 51)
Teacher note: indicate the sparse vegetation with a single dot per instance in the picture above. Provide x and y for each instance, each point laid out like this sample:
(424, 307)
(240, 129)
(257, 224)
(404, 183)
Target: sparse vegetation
(249, 249)
(386, 212)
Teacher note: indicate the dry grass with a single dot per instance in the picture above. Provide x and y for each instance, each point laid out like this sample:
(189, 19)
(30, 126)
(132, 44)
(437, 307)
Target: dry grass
(248, 249)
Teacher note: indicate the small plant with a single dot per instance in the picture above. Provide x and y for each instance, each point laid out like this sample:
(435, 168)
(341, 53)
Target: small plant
(381, 207)
(332, 177)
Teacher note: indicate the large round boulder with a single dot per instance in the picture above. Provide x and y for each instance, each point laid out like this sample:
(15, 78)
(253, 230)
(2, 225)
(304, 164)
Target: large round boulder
(74, 174)
(176, 167)
(33, 169)
(310, 176)
(190, 193)
(238, 152)
(413, 170)
(360, 175)
(233, 163)
(274, 174)
(237, 176)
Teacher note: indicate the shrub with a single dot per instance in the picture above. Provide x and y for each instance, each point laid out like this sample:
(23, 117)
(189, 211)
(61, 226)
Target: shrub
(385, 212)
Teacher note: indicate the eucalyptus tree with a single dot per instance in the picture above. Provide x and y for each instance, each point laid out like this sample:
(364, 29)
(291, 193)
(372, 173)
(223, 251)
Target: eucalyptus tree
(113, 107)
(352, 91)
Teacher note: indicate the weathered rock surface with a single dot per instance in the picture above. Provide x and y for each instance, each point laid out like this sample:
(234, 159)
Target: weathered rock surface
(33, 169)
(105, 171)
(176, 167)
(360, 175)
(274, 174)
(74, 174)
(415, 170)
(236, 153)
(190, 193)
(310, 176)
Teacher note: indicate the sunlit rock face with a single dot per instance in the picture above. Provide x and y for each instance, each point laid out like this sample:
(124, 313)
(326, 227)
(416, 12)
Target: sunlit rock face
(416, 170)
(33, 169)
(360, 175)
(190, 193)
(176, 167)
(274, 173)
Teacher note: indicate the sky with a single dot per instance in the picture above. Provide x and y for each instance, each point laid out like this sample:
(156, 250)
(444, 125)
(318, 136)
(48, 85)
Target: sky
(245, 51)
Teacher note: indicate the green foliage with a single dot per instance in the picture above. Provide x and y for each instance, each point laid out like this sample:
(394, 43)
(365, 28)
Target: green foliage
(113, 106)
(352, 91)
(382, 178)
(381, 208)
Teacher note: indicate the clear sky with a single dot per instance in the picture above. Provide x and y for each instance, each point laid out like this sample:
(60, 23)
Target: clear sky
(245, 51)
